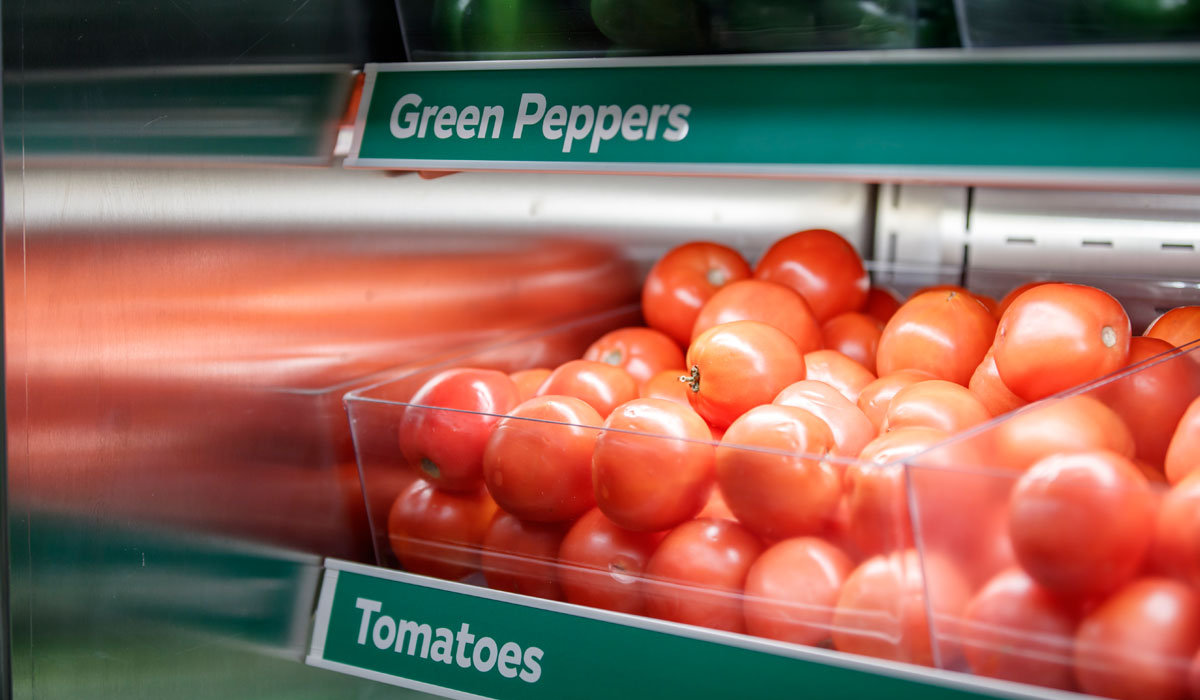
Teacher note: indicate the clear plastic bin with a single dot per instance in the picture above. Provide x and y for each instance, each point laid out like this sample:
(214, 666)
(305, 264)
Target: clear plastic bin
(1062, 22)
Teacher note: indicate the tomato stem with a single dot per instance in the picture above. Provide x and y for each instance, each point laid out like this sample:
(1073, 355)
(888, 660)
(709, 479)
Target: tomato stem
(430, 468)
(693, 379)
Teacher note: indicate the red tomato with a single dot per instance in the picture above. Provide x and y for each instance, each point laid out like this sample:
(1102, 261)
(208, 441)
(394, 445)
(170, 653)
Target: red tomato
(528, 381)
(602, 564)
(599, 385)
(1012, 296)
(1137, 645)
(838, 371)
(1177, 532)
(792, 588)
(682, 280)
(438, 533)
(1179, 326)
(935, 403)
(882, 609)
(822, 266)
(876, 492)
(877, 396)
(642, 352)
(1057, 336)
(855, 335)
(1154, 397)
(653, 465)
(521, 557)
(988, 302)
(737, 366)
(881, 304)
(1016, 630)
(772, 472)
(989, 388)
(1183, 453)
(1194, 677)
(1056, 426)
(944, 333)
(1081, 523)
(768, 302)
(538, 462)
(846, 422)
(697, 574)
(716, 507)
(667, 385)
(448, 445)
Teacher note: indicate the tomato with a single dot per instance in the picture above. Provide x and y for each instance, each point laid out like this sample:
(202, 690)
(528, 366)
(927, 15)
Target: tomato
(1177, 532)
(1055, 426)
(1154, 397)
(600, 385)
(881, 304)
(944, 333)
(1012, 296)
(1081, 523)
(1137, 645)
(653, 465)
(768, 302)
(838, 371)
(1016, 630)
(682, 280)
(792, 588)
(642, 352)
(737, 366)
(438, 533)
(538, 462)
(448, 444)
(1057, 336)
(847, 424)
(935, 403)
(772, 472)
(1183, 453)
(876, 492)
(528, 381)
(602, 564)
(1194, 677)
(882, 609)
(716, 507)
(1179, 326)
(697, 574)
(988, 302)
(855, 335)
(666, 385)
(877, 396)
(521, 557)
(822, 266)
(989, 388)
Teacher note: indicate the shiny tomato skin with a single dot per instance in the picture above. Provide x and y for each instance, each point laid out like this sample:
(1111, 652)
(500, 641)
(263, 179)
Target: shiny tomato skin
(767, 302)
(792, 588)
(1054, 426)
(989, 388)
(642, 352)
(1058, 336)
(1179, 326)
(653, 466)
(881, 304)
(697, 574)
(438, 533)
(522, 557)
(822, 266)
(1012, 295)
(667, 385)
(1015, 630)
(538, 462)
(877, 396)
(528, 381)
(601, 386)
(1183, 452)
(447, 445)
(737, 366)
(846, 422)
(839, 372)
(882, 609)
(855, 335)
(1081, 523)
(682, 280)
(945, 333)
(772, 471)
(602, 565)
(937, 404)
(1138, 643)
(1176, 550)
(1194, 677)
(988, 302)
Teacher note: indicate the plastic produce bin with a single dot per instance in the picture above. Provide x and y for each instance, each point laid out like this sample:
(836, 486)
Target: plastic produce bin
(1062, 22)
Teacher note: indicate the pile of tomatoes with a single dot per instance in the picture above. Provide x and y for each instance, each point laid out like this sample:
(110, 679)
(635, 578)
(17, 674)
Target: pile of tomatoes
(785, 451)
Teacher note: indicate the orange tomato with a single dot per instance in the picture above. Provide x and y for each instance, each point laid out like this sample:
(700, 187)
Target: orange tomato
(944, 333)
(822, 266)
(768, 302)
(599, 385)
(1177, 532)
(1055, 426)
(682, 280)
(850, 428)
(642, 352)
(877, 395)
(792, 588)
(881, 304)
(876, 492)
(839, 372)
(667, 385)
(1012, 296)
(528, 381)
(855, 335)
(935, 403)
(1183, 452)
(988, 302)
(989, 388)
(1179, 326)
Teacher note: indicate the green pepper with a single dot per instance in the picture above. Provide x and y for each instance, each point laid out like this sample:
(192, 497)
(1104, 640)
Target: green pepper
(661, 25)
(488, 28)
(765, 25)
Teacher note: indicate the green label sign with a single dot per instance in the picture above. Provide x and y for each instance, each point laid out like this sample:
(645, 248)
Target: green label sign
(463, 642)
(873, 114)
